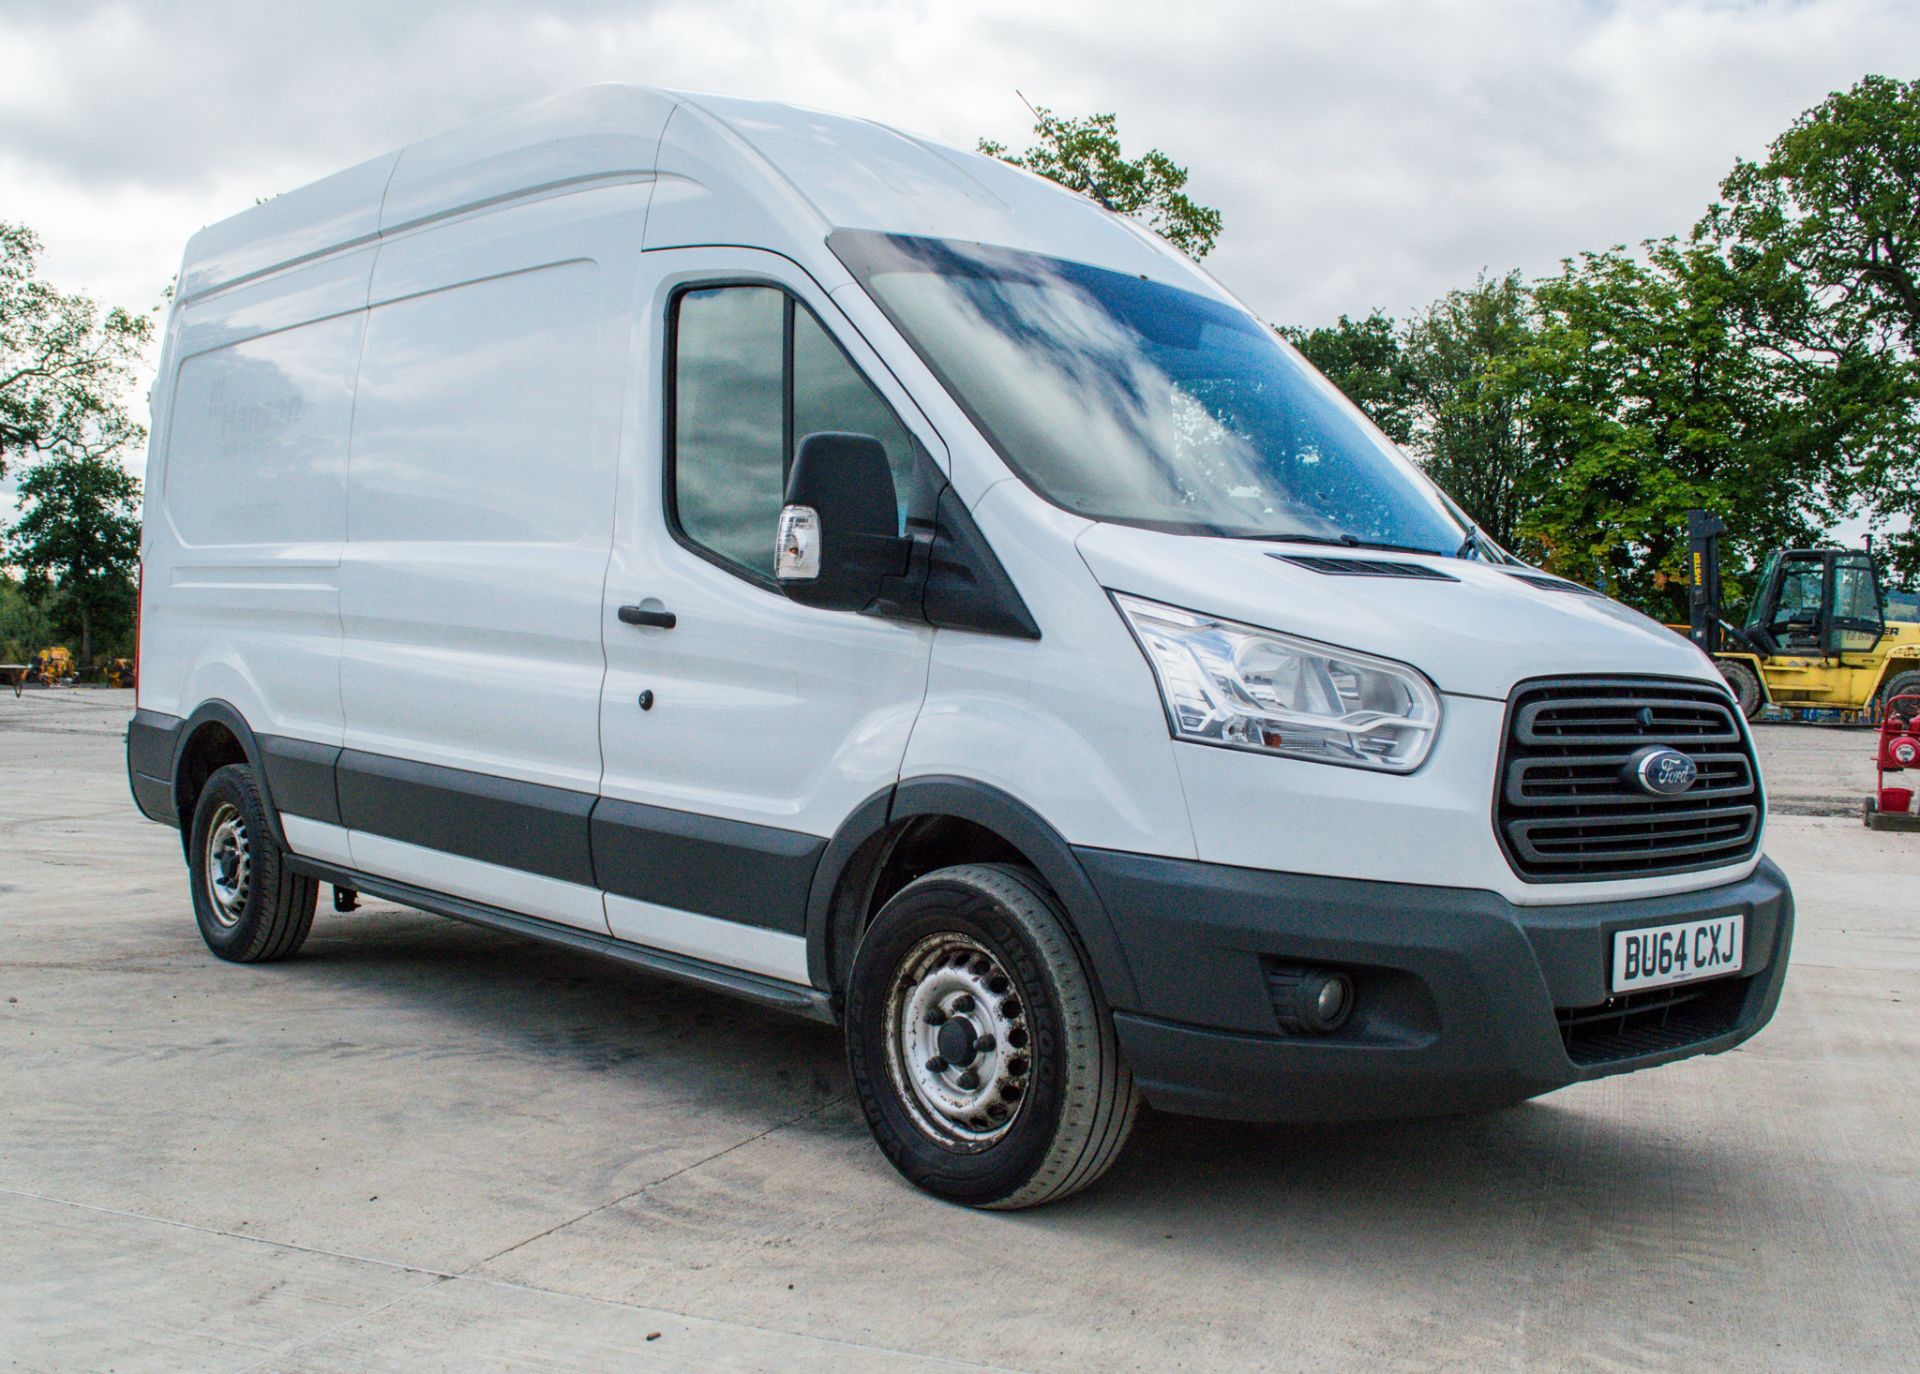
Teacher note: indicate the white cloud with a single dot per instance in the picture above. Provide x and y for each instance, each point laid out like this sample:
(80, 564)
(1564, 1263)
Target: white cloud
(1368, 153)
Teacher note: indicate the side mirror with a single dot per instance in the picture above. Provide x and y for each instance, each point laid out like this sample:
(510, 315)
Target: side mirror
(839, 543)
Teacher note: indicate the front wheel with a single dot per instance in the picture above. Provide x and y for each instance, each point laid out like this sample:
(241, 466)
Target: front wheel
(1745, 684)
(982, 1051)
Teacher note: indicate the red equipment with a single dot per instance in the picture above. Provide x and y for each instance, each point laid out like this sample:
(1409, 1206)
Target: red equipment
(1897, 750)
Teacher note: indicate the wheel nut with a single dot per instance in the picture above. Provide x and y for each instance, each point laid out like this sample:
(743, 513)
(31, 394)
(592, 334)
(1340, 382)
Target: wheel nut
(984, 1043)
(969, 1080)
(936, 1017)
(936, 1065)
(963, 1003)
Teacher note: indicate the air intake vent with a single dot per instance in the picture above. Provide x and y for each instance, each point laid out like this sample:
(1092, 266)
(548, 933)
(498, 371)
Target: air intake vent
(1569, 809)
(1642, 1023)
(1555, 584)
(1364, 567)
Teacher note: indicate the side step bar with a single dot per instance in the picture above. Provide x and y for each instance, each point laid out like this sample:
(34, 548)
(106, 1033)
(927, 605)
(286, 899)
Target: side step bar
(768, 992)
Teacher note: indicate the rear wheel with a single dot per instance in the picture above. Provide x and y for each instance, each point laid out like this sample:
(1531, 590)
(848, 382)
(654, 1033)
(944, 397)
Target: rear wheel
(250, 906)
(1745, 684)
(983, 1053)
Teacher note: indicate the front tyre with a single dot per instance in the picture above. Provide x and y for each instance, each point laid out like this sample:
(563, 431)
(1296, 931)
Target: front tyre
(983, 1054)
(250, 906)
(1745, 685)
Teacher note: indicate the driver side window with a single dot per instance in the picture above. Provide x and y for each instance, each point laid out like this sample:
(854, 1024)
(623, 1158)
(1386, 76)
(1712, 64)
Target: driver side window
(753, 373)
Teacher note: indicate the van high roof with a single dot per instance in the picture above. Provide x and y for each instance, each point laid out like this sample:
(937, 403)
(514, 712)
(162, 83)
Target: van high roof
(725, 170)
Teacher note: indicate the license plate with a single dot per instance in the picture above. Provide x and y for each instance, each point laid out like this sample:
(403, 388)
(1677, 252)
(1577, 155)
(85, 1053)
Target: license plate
(1657, 956)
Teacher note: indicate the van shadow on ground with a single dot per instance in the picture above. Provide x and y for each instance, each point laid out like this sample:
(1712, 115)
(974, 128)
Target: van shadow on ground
(1572, 1170)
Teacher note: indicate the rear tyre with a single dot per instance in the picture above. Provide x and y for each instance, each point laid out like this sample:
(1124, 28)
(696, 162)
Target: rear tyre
(983, 1054)
(250, 906)
(1745, 684)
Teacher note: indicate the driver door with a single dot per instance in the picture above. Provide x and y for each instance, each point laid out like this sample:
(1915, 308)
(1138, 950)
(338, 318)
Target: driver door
(1858, 620)
(1795, 617)
(739, 729)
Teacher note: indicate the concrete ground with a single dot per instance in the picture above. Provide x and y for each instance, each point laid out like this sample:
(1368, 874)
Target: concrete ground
(422, 1146)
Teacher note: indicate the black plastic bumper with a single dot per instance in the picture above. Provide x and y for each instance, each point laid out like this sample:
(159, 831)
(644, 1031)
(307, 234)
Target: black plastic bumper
(152, 739)
(1462, 1001)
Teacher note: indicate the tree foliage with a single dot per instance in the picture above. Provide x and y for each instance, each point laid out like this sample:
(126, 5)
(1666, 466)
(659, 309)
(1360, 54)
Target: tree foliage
(65, 367)
(1364, 358)
(25, 624)
(1446, 386)
(1084, 155)
(1763, 367)
(64, 363)
(1829, 224)
(1647, 393)
(79, 537)
(1463, 358)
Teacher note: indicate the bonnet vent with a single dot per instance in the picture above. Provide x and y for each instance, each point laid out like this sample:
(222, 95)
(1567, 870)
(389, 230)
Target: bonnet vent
(1555, 584)
(1364, 567)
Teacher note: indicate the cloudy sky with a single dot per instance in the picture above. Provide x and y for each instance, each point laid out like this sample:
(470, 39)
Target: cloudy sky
(1364, 152)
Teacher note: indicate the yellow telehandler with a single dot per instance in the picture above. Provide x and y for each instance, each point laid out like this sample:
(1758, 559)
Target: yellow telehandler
(1816, 635)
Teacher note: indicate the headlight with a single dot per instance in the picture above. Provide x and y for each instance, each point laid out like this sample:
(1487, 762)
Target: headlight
(1247, 688)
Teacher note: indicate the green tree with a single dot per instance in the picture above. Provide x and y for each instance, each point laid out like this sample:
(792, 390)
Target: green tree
(1446, 386)
(1084, 155)
(25, 625)
(1468, 396)
(64, 363)
(1829, 220)
(1365, 360)
(1649, 391)
(79, 536)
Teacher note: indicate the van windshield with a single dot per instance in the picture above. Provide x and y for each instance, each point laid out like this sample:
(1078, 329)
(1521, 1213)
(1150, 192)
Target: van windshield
(1130, 401)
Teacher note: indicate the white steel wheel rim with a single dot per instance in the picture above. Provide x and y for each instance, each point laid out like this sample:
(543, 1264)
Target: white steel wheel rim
(229, 864)
(959, 1051)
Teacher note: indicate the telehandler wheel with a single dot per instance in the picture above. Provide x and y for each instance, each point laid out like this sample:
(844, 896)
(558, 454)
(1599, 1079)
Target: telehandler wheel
(1745, 684)
(1905, 684)
(982, 1051)
(250, 906)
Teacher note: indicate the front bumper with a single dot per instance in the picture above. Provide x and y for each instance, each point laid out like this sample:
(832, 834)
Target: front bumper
(1463, 1000)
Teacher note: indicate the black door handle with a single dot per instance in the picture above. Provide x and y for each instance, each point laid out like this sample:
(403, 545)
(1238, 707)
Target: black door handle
(641, 615)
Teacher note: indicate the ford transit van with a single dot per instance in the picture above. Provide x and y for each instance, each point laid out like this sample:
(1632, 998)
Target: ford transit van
(784, 554)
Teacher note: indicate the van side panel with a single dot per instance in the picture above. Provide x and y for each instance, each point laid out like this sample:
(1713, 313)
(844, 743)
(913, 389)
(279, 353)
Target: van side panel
(480, 509)
(473, 578)
(247, 508)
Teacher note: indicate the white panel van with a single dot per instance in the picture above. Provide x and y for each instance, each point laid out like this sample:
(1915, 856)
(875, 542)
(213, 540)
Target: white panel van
(785, 554)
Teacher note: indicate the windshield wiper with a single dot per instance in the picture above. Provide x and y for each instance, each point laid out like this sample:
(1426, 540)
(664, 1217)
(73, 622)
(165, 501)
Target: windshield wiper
(1476, 542)
(1345, 541)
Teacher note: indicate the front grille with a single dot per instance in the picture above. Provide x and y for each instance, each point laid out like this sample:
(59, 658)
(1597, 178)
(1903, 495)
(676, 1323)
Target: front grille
(1568, 809)
(1641, 1023)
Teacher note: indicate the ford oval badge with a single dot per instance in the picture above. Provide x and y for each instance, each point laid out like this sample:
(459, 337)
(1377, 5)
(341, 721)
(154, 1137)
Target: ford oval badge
(1662, 771)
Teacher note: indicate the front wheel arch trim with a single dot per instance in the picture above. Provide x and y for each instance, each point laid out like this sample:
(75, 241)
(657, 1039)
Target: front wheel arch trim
(991, 809)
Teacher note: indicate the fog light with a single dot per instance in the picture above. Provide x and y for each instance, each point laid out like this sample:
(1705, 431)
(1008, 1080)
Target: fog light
(1330, 1003)
(1307, 1000)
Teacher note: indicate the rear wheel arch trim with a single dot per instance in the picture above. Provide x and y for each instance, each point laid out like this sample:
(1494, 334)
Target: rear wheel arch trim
(1005, 816)
(224, 715)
